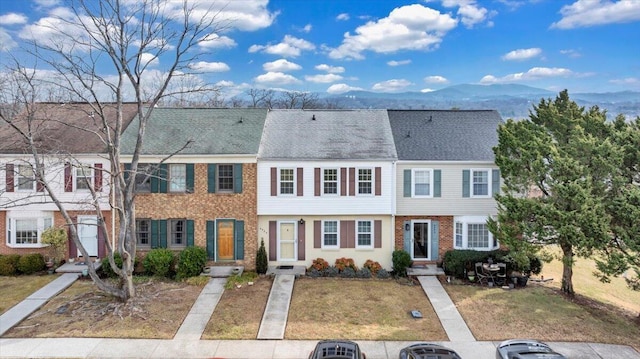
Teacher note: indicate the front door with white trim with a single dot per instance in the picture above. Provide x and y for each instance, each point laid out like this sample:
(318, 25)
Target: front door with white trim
(287, 241)
(421, 240)
(88, 234)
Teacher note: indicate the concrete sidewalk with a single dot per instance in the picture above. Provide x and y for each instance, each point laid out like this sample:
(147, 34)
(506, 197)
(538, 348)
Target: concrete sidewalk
(274, 319)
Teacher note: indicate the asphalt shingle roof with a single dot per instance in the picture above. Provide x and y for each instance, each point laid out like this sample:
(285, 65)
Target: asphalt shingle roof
(441, 135)
(210, 130)
(327, 135)
(63, 128)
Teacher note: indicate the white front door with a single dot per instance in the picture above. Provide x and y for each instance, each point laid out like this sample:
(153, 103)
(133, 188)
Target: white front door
(88, 234)
(287, 241)
(421, 240)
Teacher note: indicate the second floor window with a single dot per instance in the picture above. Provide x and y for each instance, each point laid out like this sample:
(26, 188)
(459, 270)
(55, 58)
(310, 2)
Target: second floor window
(143, 180)
(480, 184)
(25, 178)
(225, 178)
(177, 178)
(365, 181)
(83, 177)
(286, 181)
(421, 183)
(330, 181)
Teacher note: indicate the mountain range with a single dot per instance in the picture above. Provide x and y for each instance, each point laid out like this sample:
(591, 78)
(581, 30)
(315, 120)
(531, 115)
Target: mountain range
(510, 100)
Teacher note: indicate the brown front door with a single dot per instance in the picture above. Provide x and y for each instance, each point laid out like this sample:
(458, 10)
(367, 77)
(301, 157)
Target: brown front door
(225, 240)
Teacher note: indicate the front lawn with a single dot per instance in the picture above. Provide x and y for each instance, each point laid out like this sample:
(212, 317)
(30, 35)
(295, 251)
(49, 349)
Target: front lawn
(541, 313)
(15, 289)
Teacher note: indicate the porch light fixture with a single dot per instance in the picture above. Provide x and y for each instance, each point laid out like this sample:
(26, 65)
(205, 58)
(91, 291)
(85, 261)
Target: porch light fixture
(407, 227)
(301, 221)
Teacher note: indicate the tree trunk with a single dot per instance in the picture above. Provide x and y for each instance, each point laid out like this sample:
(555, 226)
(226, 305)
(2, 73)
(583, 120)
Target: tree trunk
(567, 269)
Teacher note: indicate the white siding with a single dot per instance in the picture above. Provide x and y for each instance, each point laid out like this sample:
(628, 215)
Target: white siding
(309, 204)
(54, 174)
(451, 202)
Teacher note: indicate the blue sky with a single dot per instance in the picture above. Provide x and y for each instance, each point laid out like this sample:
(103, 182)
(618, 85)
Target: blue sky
(395, 46)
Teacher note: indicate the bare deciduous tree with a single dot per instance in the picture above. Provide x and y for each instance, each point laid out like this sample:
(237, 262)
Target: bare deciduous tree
(127, 37)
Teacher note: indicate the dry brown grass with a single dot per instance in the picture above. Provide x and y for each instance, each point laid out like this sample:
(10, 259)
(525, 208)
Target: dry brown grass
(239, 312)
(15, 289)
(541, 313)
(91, 314)
(355, 309)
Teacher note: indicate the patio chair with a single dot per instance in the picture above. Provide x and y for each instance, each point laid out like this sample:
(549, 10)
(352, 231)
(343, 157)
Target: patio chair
(501, 276)
(480, 274)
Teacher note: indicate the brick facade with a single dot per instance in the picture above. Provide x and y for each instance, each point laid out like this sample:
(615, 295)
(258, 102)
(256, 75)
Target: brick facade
(202, 206)
(445, 234)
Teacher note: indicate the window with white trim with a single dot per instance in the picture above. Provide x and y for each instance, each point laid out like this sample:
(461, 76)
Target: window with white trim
(143, 232)
(364, 234)
(286, 181)
(472, 232)
(422, 182)
(365, 181)
(330, 181)
(480, 183)
(83, 177)
(330, 234)
(178, 178)
(27, 231)
(25, 178)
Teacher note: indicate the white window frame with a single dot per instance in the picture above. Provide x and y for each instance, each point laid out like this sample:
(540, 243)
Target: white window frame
(372, 234)
(466, 221)
(293, 180)
(414, 182)
(219, 181)
(43, 220)
(489, 182)
(337, 245)
(18, 176)
(337, 181)
(180, 182)
(83, 176)
(359, 182)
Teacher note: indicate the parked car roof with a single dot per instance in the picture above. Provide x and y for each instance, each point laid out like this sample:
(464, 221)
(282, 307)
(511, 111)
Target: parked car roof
(427, 351)
(526, 349)
(337, 349)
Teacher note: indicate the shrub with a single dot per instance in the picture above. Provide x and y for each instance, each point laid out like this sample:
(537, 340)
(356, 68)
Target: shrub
(457, 261)
(191, 261)
(31, 263)
(363, 273)
(106, 266)
(372, 266)
(9, 264)
(319, 264)
(57, 240)
(262, 263)
(330, 272)
(401, 261)
(344, 263)
(313, 273)
(383, 274)
(348, 272)
(158, 262)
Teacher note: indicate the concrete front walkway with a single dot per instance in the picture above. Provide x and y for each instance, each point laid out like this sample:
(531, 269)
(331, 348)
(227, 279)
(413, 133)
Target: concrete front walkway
(274, 319)
(199, 315)
(451, 320)
(36, 300)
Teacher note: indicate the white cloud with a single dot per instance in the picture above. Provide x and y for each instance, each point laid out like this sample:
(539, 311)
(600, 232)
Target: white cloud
(324, 78)
(307, 28)
(435, 79)
(13, 19)
(585, 13)
(276, 78)
(281, 65)
(626, 81)
(215, 41)
(469, 11)
(149, 59)
(289, 47)
(411, 27)
(534, 73)
(342, 88)
(398, 63)
(391, 85)
(245, 15)
(427, 90)
(522, 54)
(47, 3)
(205, 66)
(6, 41)
(330, 69)
(342, 17)
(571, 53)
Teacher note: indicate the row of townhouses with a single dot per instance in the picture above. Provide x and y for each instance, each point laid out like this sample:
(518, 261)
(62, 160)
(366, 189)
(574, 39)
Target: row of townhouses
(309, 183)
